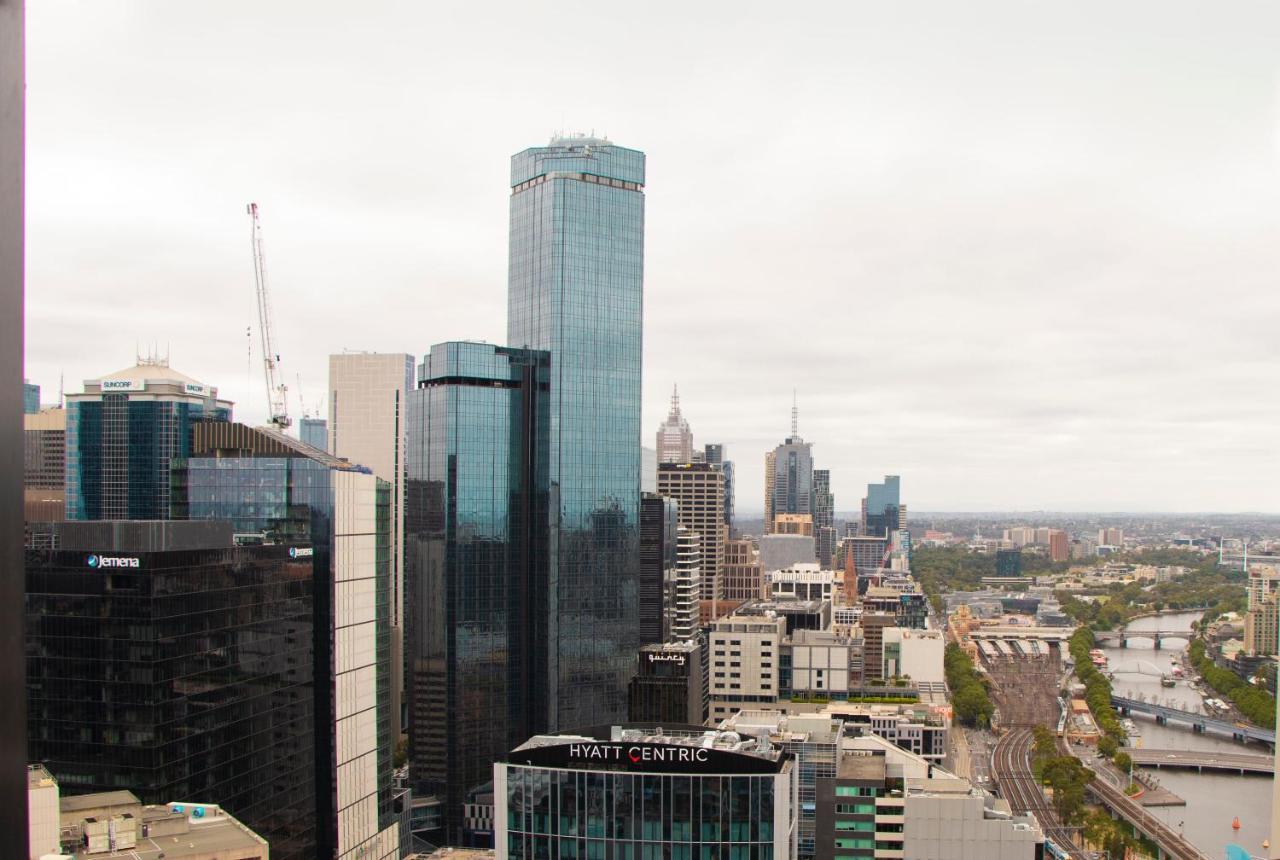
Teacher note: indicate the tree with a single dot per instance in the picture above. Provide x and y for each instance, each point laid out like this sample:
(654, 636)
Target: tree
(1123, 761)
(1107, 746)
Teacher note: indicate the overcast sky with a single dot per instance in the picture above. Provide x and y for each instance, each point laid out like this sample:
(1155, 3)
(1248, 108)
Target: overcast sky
(1023, 254)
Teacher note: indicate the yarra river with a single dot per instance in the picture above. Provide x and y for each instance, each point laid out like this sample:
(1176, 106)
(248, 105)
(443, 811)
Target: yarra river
(1213, 800)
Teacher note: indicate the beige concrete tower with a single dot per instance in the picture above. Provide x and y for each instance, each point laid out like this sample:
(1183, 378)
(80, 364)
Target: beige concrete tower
(367, 396)
(698, 489)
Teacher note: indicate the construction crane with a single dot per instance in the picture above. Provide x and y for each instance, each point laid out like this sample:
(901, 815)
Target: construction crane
(277, 403)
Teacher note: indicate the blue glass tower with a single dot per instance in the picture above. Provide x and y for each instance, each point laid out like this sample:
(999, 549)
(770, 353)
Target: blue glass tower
(882, 512)
(575, 289)
(30, 398)
(477, 541)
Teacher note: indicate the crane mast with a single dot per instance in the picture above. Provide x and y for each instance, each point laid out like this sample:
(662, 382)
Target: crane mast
(277, 405)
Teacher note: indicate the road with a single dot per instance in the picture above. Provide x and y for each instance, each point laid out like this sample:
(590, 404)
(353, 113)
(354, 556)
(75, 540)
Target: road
(1202, 760)
(1011, 765)
(1170, 841)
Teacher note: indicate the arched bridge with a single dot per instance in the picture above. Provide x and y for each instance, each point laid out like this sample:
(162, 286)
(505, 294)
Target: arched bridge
(1122, 638)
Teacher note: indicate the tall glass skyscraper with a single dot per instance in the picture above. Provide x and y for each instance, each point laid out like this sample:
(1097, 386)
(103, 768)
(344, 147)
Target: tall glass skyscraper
(123, 432)
(576, 290)
(882, 508)
(477, 541)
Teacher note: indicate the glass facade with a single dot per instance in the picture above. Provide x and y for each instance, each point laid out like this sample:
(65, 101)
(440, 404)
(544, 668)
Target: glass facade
(478, 534)
(792, 485)
(30, 398)
(659, 518)
(315, 432)
(882, 514)
(605, 815)
(576, 290)
(118, 453)
(188, 676)
(274, 490)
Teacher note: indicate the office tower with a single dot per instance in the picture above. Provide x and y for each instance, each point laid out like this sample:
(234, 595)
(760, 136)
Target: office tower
(1008, 562)
(1059, 547)
(122, 433)
(824, 516)
(648, 470)
(698, 489)
(714, 453)
(887, 802)
(367, 394)
(769, 463)
(793, 524)
(645, 791)
(44, 472)
(576, 290)
(478, 538)
(271, 486)
(741, 571)
(789, 476)
(658, 524)
(882, 510)
(869, 553)
(167, 660)
(30, 398)
(315, 432)
(873, 626)
(1263, 581)
(1111, 537)
(686, 586)
(675, 439)
(670, 685)
(745, 662)
(13, 757)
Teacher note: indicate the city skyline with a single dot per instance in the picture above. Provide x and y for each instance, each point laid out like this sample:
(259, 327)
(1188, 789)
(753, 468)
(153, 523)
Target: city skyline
(1043, 244)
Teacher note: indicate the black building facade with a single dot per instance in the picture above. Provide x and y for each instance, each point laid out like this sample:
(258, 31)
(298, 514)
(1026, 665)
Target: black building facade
(659, 518)
(478, 537)
(670, 685)
(165, 660)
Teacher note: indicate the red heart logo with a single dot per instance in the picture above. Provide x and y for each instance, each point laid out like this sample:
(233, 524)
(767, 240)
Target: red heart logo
(634, 755)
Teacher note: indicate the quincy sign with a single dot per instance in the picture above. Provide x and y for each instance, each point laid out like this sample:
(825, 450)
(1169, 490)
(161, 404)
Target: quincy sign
(644, 757)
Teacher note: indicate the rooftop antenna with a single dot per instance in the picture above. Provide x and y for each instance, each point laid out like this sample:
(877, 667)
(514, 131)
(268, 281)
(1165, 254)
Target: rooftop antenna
(795, 415)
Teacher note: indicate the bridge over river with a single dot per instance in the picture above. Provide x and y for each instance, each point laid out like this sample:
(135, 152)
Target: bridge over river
(1202, 760)
(1198, 722)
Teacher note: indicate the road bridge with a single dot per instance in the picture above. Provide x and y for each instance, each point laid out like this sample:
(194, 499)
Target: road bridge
(1171, 843)
(1165, 715)
(1201, 760)
(1116, 637)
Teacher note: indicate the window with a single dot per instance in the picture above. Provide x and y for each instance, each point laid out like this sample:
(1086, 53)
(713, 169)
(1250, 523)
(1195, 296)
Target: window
(859, 826)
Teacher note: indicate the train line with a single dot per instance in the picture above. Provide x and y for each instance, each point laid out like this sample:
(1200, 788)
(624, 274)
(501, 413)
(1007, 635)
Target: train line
(1011, 765)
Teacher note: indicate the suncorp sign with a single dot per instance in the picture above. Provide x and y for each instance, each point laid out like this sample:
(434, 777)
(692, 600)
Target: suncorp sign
(193, 388)
(97, 562)
(123, 385)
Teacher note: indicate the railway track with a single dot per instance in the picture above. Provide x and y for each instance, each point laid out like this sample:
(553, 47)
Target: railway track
(1011, 765)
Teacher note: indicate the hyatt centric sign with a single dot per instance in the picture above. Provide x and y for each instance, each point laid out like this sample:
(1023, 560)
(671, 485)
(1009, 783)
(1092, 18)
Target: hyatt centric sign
(645, 758)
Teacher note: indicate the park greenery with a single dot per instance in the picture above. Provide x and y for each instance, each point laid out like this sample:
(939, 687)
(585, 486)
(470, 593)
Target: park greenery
(969, 694)
(955, 568)
(1097, 691)
(1255, 703)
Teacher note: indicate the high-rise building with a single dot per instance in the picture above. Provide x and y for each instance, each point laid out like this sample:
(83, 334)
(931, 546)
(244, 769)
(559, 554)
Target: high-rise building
(1059, 546)
(793, 524)
(882, 509)
(576, 276)
(167, 660)
(741, 571)
(824, 517)
(770, 462)
(779, 551)
(123, 431)
(478, 538)
(648, 470)
(714, 453)
(644, 791)
(367, 425)
(315, 432)
(745, 662)
(790, 488)
(30, 398)
(658, 523)
(1262, 627)
(670, 685)
(675, 439)
(698, 489)
(44, 473)
(277, 490)
(686, 586)
(1111, 536)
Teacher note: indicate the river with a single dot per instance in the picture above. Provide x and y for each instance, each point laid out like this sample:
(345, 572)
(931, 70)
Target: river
(1213, 800)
